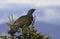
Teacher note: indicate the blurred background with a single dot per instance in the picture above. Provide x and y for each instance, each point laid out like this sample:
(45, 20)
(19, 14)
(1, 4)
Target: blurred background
(47, 15)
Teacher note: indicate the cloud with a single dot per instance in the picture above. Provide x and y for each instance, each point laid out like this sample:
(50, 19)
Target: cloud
(4, 34)
(51, 15)
(5, 19)
(32, 2)
(45, 14)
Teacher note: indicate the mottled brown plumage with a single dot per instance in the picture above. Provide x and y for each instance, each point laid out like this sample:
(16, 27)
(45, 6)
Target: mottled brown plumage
(23, 20)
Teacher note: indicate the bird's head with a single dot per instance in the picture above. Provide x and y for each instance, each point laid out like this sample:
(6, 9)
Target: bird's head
(30, 12)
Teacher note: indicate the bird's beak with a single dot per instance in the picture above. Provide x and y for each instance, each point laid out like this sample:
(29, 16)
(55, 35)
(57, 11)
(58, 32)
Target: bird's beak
(33, 9)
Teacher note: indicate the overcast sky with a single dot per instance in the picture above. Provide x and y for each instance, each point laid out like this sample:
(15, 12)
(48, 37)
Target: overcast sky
(47, 11)
(50, 14)
(35, 2)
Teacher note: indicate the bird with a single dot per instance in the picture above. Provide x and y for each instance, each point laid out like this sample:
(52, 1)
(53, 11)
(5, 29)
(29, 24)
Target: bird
(23, 20)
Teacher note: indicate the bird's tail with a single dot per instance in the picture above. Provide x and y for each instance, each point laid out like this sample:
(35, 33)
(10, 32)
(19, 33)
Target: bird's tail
(13, 30)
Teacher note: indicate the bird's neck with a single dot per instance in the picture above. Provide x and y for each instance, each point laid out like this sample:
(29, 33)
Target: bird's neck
(30, 15)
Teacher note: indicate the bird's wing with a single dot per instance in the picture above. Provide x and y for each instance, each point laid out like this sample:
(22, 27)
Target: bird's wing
(24, 20)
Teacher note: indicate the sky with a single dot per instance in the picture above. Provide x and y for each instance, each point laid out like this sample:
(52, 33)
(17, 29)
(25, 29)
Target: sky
(50, 13)
(47, 11)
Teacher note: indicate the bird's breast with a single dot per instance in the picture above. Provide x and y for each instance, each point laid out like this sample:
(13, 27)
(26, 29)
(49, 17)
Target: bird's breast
(24, 20)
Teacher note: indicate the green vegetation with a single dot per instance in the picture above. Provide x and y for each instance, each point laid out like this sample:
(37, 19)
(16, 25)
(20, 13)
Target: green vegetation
(25, 32)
